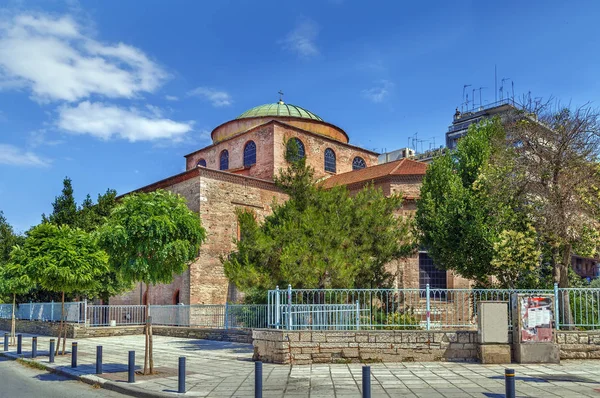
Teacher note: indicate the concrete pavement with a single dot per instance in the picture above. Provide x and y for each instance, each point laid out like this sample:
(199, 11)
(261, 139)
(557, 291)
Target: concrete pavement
(222, 369)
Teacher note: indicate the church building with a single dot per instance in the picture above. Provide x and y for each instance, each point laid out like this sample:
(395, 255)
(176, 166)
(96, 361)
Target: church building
(237, 171)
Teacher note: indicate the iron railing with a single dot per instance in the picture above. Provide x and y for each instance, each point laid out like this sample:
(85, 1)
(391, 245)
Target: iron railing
(427, 308)
(47, 312)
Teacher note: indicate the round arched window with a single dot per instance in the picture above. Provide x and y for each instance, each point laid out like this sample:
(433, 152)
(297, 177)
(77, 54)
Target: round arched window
(249, 154)
(224, 160)
(329, 160)
(294, 150)
(202, 163)
(358, 163)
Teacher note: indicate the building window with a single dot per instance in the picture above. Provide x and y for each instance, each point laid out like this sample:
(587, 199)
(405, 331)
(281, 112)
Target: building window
(329, 160)
(249, 154)
(224, 160)
(294, 150)
(176, 298)
(358, 163)
(202, 163)
(430, 274)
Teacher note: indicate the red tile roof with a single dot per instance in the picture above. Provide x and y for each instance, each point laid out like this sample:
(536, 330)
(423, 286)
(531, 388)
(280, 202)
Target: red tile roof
(403, 167)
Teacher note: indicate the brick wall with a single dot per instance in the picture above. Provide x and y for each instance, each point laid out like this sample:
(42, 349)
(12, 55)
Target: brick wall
(304, 347)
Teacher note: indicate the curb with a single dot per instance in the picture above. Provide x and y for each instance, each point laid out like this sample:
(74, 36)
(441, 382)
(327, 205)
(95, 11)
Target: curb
(94, 380)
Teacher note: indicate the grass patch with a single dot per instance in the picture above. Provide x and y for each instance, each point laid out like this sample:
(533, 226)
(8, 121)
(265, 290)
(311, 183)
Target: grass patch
(32, 364)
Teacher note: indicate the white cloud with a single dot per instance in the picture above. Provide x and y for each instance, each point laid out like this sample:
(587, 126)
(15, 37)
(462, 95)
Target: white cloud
(378, 92)
(171, 98)
(13, 156)
(301, 40)
(38, 138)
(106, 121)
(216, 97)
(54, 59)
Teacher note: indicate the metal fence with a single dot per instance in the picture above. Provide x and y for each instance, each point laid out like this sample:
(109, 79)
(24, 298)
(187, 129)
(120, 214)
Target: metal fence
(47, 312)
(427, 308)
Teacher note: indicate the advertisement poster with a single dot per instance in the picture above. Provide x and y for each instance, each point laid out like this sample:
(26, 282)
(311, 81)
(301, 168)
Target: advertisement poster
(536, 319)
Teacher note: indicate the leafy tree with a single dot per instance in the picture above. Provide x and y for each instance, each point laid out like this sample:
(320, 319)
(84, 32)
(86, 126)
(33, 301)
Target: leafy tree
(61, 259)
(319, 238)
(466, 219)
(91, 215)
(8, 239)
(150, 237)
(14, 280)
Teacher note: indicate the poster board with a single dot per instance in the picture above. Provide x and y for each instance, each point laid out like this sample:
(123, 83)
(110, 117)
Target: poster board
(536, 318)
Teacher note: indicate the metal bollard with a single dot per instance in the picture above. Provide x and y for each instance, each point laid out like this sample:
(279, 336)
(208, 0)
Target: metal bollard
(366, 382)
(131, 369)
(52, 343)
(258, 379)
(19, 343)
(99, 360)
(181, 384)
(5, 341)
(33, 347)
(509, 378)
(74, 355)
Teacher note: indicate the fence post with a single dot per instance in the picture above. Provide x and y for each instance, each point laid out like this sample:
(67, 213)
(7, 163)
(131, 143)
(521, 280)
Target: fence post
(85, 311)
(556, 308)
(30, 310)
(428, 308)
(277, 307)
(289, 307)
(357, 315)
(226, 314)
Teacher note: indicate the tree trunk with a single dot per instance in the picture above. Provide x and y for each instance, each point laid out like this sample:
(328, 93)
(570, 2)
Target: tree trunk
(561, 276)
(147, 332)
(13, 322)
(62, 324)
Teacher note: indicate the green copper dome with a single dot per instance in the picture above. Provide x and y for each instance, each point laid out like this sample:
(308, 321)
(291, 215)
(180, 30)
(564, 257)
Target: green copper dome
(279, 109)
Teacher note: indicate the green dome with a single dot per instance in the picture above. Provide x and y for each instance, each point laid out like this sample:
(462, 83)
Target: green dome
(279, 109)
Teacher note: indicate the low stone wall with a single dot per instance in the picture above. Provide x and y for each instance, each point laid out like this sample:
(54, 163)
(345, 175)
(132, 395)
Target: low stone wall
(38, 327)
(579, 344)
(232, 335)
(84, 332)
(304, 347)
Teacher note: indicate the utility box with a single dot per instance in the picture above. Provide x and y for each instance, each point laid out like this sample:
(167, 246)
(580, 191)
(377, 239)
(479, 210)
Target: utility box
(492, 322)
(492, 332)
(534, 339)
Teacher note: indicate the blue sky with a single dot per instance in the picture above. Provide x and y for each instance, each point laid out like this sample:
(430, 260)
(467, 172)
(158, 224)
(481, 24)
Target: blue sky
(114, 93)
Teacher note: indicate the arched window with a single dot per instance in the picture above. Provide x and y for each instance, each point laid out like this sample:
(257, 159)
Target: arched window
(329, 160)
(358, 163)
(249, 154)
(202, 163)
(224, 160)
(295, 150)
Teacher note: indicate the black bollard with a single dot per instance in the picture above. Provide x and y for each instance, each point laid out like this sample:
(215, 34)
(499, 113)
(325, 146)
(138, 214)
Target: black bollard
(5, 341)
(258, 379)
(52, 342)
(74, 355)
(131, 369)
(509, 378)
(366, 382)
(33, 347)
(19, 343)
(181, 384)
(99, 360)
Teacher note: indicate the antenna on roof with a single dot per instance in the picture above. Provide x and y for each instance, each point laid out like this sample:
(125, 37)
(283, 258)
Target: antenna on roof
(480, 103)
(463, 96)
(502, 88)
(280, 96)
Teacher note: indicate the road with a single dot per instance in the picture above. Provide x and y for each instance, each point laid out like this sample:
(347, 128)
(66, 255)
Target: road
(18, 381)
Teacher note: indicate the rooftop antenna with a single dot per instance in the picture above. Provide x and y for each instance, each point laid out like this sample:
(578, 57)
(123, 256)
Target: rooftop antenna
(480, 102)
(463, 97)
(467, 102)
(502, 87)
(495, 83)
(280, 96)
(473, 98)
(513, 90)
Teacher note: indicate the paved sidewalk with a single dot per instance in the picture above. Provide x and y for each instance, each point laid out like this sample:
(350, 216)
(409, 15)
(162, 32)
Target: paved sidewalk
(221, 369)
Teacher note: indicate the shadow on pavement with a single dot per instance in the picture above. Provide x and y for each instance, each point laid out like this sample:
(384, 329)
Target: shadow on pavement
(211, 345)
(549, 378)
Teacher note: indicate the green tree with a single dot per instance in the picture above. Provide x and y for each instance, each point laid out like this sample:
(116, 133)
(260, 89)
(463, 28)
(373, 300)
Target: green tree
(8, 239)
(319, 238)
(14, 280)
(64, 208)
(149, 237)
(61, 259)
(464, 215)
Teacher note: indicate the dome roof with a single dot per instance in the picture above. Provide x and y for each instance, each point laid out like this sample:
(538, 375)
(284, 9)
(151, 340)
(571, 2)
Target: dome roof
(279, 109)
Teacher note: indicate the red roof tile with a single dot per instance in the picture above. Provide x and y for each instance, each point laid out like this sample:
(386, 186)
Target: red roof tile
(404, 167)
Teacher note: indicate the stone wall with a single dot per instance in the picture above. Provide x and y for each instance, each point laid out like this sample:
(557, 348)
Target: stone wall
(304, 347)
(38, 327)
(579, 344)
(232, 335)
